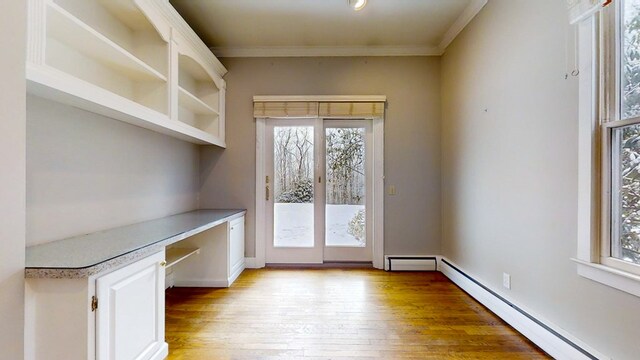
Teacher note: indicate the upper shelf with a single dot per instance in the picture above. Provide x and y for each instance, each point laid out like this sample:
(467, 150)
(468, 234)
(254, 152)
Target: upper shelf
(69, 30)
(128, 13)
(194, 104)
(112, 57)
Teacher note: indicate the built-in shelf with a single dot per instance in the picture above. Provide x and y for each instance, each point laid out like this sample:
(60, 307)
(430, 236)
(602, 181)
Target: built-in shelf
(194, 104)
(127, 12)
(112, 57)
(77, 35)
(175, 255)
(199, 97)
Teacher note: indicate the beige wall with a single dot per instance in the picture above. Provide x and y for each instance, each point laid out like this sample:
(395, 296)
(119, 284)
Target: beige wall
(510, 173)
(12, 178)
(412, 145)
(86, 172)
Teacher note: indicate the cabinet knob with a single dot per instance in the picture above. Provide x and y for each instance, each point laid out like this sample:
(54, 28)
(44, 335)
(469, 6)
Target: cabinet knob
(163, 263)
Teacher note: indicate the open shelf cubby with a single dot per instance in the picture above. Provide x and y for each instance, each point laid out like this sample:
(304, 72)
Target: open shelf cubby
(109, 44)
(136, 61)
(176, 254)
(198, 97)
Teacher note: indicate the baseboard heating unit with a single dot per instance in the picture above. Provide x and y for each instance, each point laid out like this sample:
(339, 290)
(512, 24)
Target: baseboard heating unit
(410, 263)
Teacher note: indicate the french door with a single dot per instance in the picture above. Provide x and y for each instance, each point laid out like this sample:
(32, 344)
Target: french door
(318, 190)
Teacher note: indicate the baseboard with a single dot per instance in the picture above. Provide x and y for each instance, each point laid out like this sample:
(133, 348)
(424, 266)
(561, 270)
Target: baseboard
(250, 263)
(547, 336)
(411, 262)
(162, 353)
(236, 271)
(202, 283)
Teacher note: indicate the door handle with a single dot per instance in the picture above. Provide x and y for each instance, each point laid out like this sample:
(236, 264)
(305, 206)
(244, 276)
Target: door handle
(267, 192)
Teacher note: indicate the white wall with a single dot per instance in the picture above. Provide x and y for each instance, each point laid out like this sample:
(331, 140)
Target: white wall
(510, 173)
(86, 172)
(12, 178)
(412, 127)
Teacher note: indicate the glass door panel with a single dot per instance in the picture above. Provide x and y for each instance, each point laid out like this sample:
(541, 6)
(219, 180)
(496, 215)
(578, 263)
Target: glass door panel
(293, 198)
(347, 222)
(318, 191)
(293, 205)
(345, 213)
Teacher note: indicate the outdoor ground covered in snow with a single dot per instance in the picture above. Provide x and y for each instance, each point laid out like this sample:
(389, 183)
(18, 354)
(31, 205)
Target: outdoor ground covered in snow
(293, 225)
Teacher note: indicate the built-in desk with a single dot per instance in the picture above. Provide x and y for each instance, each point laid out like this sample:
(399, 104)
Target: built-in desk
(86, 255)
(101, 295)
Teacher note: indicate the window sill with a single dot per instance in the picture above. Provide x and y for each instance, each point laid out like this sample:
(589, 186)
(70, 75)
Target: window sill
(614, 278)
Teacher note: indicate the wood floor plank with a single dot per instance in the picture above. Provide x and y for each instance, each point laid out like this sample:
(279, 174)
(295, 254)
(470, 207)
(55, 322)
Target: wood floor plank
(313, 314)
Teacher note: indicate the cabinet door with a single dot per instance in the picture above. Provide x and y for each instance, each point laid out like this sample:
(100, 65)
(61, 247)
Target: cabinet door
(130, 314)
(236, 248)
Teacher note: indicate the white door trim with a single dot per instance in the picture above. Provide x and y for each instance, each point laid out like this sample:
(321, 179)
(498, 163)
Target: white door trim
(378, 193)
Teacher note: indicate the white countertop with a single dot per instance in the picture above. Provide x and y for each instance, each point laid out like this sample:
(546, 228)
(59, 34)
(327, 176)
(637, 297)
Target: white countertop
(86, 255)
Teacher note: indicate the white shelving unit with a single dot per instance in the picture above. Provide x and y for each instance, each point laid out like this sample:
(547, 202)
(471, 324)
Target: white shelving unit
(119, 58)
(199, 97)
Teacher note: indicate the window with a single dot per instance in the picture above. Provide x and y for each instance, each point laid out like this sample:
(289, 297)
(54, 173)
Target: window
(620, 238)
(609, 141)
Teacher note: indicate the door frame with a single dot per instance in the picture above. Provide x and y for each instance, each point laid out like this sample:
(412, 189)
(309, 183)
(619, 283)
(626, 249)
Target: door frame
(377, 175)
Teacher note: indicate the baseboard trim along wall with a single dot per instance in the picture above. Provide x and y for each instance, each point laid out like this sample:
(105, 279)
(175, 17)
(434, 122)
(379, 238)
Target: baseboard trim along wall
(550, 338)
(250, 263)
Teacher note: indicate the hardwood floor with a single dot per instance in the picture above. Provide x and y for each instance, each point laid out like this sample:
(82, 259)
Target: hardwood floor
(337, 314)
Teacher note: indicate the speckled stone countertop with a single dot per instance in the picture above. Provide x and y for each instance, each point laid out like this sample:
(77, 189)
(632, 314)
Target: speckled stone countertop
(87, 255)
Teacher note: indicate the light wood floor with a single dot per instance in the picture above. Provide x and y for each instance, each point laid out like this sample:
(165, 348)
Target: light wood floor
(337, 314)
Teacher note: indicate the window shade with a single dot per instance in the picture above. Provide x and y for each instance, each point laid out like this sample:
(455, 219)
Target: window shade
(582, 9)
(285, 109)
(351, 109)
(312, 109)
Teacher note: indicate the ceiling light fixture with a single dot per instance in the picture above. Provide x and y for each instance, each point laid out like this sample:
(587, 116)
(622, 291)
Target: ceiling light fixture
(357, 4)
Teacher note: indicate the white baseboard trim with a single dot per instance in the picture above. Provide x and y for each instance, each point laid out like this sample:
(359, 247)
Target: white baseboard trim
(547, 336)
(238, 269)
(162, 353)
(411, 262)
(202, 283)
(251, 263)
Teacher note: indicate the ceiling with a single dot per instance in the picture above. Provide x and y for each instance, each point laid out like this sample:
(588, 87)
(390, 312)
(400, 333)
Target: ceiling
(250, 28)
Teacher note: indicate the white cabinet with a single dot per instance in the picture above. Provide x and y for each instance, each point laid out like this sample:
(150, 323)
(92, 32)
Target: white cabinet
(132, 60)
(101, 295)
(130, 314)
(236, 248)
(119, 315)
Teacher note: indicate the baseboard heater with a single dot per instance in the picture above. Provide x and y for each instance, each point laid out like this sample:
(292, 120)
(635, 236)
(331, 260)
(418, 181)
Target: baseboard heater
(551, 345)
(411, 263)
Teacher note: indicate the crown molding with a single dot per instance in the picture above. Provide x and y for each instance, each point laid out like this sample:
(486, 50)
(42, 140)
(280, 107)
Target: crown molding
(325, 51)
(461, 22)
(468, 14)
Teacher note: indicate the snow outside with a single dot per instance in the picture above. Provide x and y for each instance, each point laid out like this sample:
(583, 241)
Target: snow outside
(345, 187)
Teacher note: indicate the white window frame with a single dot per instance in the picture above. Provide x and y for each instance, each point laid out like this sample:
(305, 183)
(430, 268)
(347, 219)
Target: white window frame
(599, 94)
